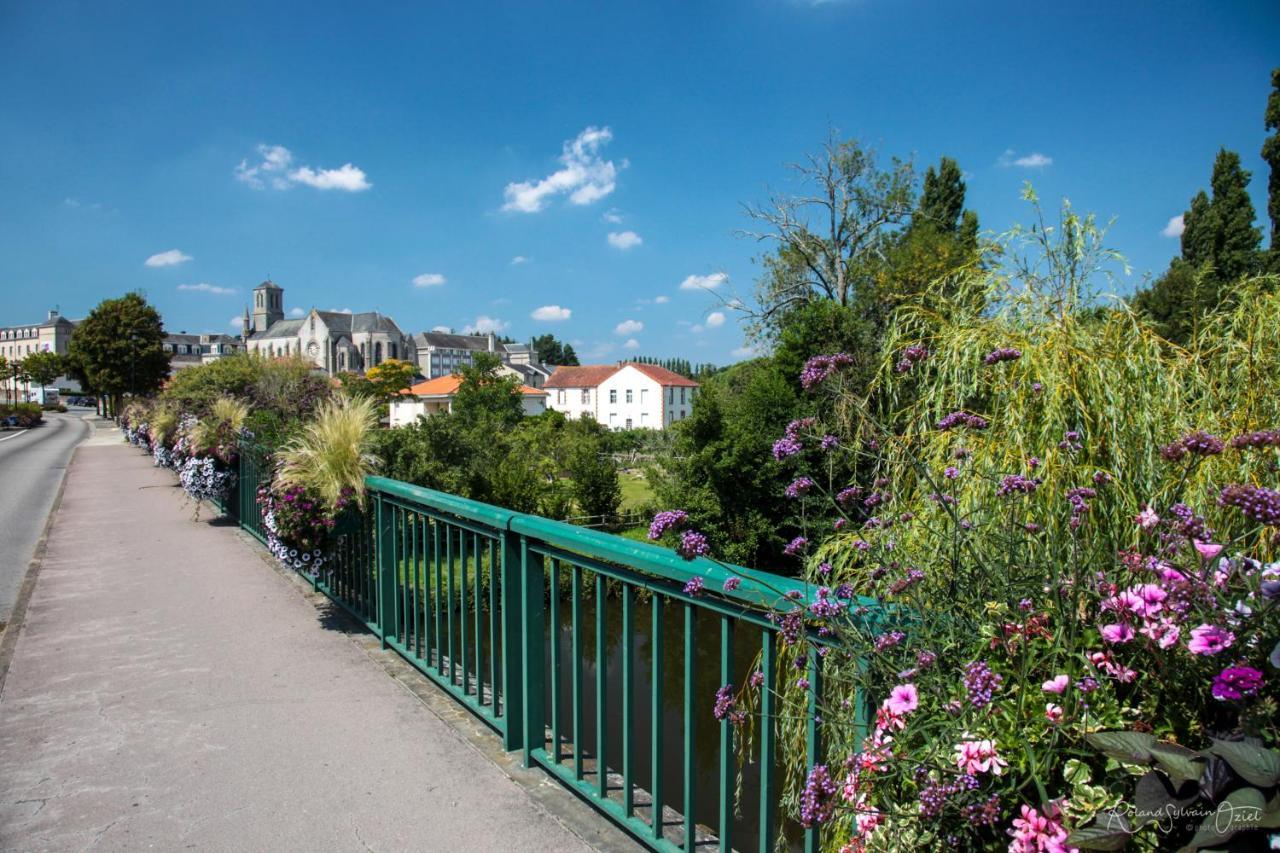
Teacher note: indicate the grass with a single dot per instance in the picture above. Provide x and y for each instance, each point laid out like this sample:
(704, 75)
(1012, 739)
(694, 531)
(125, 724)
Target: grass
(636, 491)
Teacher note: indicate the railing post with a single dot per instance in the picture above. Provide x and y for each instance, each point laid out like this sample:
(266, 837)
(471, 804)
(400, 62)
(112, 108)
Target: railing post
(385, 570)
(531, 642)
(512, 645)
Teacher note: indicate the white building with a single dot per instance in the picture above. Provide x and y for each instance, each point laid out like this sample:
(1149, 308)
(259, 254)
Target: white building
(623, 396)
(436, 395)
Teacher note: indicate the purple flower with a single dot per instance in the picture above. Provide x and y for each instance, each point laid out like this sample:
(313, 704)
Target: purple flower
(820, 367)
(693, 544)
(1236, 682)
(726, 706)
(830, 442)
(888, 640)
(693, 586)
(799, 487)
(730, 584)
(1002, 354)
(981, 683)
(670, 519)
(786, 446)
(1265, 438)
(844, 496)
(1259, 504)
(962, 419)
(818, 801)
(910, 356)
(824, 605)
(757, 678)
(1016, 484)
(795, 546)
(951, 472)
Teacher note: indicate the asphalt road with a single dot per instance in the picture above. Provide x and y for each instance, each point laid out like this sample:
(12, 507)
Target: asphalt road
(32, 464)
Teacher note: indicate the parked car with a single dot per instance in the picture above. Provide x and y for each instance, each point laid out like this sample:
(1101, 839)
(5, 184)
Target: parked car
(10, 422)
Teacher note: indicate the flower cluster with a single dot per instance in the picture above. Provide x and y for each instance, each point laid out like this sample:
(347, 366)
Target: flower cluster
(1197, 443)
(910, 356)
(1002, 354)
(962, 419)
(1259, 504)
(819, 368)
(1262, 438)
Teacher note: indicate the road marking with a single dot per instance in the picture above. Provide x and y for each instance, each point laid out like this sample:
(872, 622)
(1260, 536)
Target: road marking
(15, 435)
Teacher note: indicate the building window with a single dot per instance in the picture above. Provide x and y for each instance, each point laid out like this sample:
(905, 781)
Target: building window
(643, 393)
(682, 397)
(628, 423)
(560, 397)
(392, 345)
(682, 414)
(586, 396)
(613, 395)
(629, 400)
(671, 397)
(377, 353)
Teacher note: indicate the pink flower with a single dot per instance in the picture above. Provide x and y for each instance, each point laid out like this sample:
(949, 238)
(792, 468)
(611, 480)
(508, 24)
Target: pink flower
(1146, 519)
(1057, 684)
(1034, 832)
(1117, 634)
(979, 756)
(1164, 632)
(903, 699)
(1053, 713)
(1209, 640)
(1208, 550)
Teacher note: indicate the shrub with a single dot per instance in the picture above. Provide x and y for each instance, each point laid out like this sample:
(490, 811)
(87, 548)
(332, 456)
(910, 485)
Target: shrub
(331, 456)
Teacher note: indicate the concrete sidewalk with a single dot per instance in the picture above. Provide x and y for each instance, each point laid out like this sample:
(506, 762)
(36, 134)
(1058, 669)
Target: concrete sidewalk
(170, 691)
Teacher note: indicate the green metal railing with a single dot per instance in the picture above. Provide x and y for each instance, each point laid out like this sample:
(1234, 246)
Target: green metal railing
(579, 648)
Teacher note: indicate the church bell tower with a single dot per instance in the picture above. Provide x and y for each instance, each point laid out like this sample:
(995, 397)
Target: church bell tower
(268, 305)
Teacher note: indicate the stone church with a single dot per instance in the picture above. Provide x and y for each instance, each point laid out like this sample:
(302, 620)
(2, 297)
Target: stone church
(335, 341)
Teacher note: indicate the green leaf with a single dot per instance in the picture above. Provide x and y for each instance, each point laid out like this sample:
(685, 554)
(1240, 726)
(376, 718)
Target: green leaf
(1271, 814)
(1133, 747)
(1242, 809)
(1255, 765)
(1076, 772)
(1156, 799)
(1109, 831)
(1182, 764)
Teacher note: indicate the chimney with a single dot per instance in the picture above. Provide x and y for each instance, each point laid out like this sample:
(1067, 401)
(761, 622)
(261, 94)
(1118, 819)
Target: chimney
(492, 342)
(53, 313)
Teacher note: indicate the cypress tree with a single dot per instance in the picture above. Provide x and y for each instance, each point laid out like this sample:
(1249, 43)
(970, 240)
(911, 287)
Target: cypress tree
(1271, 154)
(1237, 241)
(942, 201)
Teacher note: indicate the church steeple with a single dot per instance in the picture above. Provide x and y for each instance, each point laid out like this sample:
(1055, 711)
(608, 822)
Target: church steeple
(246, 327)
(268, 305)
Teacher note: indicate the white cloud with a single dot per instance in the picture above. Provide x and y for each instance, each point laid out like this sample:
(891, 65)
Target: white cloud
(339, 310)
(428, 279)
(624, 239)
(704, 282)
(297, 312)
(551, 313)
(171, 258)
(485, 324)
(631, 343)
(236, 323)
(519, 259)
(1034, 160)
(1175, 227)
(748, 351)
(444, 329)
(628, 327)
(612, 216)
(273, 169)
(661, 300)
(585, 176)
(275, 161)
(715, 319)
(204, 287)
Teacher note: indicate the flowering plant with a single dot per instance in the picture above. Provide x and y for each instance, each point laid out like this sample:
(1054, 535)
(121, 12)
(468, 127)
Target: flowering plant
(1008, 634)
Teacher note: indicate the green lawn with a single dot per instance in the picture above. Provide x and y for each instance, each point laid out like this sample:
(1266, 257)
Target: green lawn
(636, 492)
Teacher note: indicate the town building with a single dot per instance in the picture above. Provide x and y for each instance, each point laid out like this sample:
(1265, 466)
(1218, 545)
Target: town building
(335, 341)
(444, 353)
(622, 396)
(192, 350)
(436, 395)
(51, 335)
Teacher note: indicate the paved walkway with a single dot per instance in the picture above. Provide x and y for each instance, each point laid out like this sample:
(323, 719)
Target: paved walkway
(170, 691)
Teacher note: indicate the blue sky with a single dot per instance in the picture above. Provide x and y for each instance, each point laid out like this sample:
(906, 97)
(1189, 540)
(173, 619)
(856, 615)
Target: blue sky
(351, 150)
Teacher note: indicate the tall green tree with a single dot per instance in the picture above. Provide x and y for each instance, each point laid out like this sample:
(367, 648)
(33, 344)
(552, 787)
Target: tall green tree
(1271, 153)
(549, 350)
(1236, 241)
(119, 349)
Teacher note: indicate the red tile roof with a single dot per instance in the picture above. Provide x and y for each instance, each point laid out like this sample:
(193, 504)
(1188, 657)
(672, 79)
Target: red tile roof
(586, 376)
(443, 386)
(662, 376)
(591, 375)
